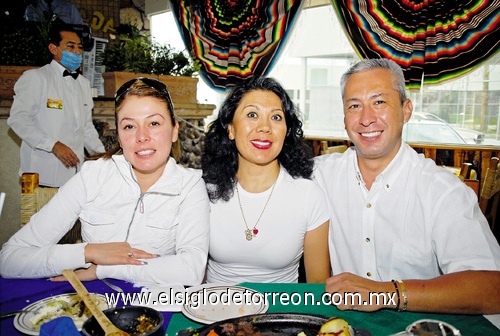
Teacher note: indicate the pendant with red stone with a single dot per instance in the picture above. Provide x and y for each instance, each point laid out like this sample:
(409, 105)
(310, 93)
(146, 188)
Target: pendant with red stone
(248, 234)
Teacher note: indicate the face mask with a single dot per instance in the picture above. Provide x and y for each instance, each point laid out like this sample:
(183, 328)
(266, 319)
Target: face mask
(71, 60)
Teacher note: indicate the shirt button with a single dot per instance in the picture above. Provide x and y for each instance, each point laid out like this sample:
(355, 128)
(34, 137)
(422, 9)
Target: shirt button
(368, 205)
(367, 240)
(369, 274)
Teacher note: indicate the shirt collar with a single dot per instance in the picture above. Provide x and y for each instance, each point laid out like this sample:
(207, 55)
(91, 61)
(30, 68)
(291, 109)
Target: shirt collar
(170, 183)
(393, 170)
(388, 176)
(56, 65)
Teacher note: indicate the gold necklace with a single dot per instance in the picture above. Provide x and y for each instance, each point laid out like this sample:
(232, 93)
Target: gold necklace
(250, 234)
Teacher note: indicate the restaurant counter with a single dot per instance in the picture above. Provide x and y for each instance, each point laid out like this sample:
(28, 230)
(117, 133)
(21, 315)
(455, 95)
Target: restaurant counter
(283, 298)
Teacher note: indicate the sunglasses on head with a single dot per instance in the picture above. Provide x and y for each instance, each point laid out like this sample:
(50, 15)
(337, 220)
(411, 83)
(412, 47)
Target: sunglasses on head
(152, 83)
(430, 328)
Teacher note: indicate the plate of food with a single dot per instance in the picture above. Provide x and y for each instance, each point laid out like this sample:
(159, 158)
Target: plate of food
(208, 304)
(47, 309)
(285, 324)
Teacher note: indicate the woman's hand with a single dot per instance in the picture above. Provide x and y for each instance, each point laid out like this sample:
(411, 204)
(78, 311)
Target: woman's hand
(353, 292)
(120, 253)
(84, 274)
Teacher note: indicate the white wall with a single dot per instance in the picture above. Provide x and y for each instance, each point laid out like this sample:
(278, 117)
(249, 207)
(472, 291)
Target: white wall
(10, 219)
(156, 6)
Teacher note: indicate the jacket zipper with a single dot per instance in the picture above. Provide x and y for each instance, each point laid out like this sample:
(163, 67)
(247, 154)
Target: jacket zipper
(140, 202)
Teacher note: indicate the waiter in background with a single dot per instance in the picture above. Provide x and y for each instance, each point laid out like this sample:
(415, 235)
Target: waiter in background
(52, 112)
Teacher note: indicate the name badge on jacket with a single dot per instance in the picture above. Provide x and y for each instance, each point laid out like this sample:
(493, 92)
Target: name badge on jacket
(55, 103)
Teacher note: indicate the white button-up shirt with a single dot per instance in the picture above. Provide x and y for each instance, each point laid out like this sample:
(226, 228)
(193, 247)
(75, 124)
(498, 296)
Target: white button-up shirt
(417, 221)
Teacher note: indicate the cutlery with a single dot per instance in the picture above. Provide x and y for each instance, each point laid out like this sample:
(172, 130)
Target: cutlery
(102, 319)
(113, 287)
(12, 313)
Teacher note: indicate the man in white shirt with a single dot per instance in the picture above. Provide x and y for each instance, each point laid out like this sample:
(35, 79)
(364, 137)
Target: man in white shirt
(401, 225)
(52, 113)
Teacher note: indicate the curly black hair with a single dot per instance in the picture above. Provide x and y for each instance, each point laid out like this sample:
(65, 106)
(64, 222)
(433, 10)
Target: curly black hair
(219, 160)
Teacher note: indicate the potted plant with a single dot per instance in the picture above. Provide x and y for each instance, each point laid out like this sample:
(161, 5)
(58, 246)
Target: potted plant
(23, 46)
(134, 55)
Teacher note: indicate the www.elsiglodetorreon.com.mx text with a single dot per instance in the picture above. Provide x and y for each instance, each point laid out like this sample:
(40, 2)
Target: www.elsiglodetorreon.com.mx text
(205, 297)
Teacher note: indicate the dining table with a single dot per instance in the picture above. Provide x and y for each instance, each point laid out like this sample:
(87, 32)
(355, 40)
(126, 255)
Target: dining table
(301, 298)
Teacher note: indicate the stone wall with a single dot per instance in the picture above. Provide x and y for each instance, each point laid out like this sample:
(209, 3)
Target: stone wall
(102, 16)
(191, 138)
(105, 16)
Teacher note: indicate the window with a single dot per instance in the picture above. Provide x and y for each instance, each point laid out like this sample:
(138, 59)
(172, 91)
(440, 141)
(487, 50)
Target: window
(164, 30)
(318, 53)
(470, 104)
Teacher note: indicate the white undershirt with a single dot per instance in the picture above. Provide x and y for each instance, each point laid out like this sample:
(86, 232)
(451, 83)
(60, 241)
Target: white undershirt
(295, 207)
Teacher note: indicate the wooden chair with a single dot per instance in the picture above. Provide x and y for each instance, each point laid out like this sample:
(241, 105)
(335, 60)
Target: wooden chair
(325, 149)
(489, 199)
(33, 198)
(2, 199)
(466, 175)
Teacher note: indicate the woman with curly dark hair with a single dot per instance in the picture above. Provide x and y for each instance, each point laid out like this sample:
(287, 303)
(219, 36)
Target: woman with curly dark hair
(266, 212)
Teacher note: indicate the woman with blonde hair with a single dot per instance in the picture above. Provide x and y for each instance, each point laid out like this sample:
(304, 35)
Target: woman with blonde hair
(144, 218)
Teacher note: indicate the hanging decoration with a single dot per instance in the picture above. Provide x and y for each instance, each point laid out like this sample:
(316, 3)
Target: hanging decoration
(234, 40)
(432, 40)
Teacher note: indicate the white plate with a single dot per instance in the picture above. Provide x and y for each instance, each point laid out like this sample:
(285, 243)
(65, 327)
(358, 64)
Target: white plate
(210, 304)
(22, 321)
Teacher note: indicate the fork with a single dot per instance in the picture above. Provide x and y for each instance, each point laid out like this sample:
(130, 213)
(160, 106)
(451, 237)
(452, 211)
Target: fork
(114, 287)
(13, 313)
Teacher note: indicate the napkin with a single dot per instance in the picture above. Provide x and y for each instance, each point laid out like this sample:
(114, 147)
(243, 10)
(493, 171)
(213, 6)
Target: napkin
(61, 326)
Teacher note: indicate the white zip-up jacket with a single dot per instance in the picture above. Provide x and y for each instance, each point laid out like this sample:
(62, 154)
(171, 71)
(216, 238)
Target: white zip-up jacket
(171, 219)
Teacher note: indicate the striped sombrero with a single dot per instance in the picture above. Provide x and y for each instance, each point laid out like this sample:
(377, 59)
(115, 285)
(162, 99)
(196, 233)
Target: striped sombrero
(234, 40)
(436, 39)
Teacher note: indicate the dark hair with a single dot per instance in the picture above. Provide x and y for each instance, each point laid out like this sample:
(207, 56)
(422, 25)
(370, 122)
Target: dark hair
(219, 159)
(139, 87)
(56, 29)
